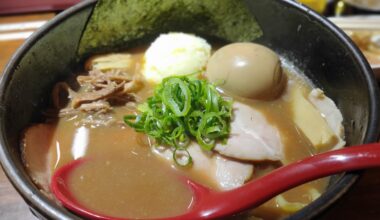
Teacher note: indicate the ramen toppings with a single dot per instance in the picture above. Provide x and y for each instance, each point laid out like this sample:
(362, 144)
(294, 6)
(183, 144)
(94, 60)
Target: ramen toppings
(143, 130)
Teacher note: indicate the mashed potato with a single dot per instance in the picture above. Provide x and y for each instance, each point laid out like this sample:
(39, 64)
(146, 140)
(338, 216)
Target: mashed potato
(175, 54)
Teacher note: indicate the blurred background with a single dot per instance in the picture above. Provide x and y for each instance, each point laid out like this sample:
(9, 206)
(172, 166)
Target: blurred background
(343, 7)
(360, 19)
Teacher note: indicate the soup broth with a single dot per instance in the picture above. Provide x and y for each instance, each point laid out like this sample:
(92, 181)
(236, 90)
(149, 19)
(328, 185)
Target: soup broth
(127, 183)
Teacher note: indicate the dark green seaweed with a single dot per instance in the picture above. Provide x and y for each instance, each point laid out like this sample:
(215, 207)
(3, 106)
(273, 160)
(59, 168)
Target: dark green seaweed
(117, 24)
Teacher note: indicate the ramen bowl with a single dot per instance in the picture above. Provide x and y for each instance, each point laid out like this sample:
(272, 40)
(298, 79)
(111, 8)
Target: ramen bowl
(311, 43)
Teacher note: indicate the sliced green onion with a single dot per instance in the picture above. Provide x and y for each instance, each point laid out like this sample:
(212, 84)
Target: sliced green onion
(177, 96)
(193, 121)
(181, 157)
(135, 121)
(184, 108)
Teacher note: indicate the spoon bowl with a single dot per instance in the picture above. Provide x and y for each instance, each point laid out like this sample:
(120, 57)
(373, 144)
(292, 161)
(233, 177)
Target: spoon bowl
(209, 204)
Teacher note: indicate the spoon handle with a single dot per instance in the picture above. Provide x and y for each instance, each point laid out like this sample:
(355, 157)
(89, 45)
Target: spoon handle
(259, 191)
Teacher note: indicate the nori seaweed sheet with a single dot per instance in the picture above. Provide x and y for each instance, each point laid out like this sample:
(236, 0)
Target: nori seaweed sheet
(119, 24)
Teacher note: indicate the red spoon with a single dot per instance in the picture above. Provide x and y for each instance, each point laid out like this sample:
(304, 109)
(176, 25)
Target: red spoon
(210, 204)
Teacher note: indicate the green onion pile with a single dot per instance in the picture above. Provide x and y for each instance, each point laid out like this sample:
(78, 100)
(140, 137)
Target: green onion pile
(184, 108)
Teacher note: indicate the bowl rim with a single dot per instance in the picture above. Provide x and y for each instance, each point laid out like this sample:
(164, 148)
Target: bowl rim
(46, 207)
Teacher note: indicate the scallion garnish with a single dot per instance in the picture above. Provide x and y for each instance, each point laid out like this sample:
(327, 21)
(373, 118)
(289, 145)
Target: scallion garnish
(184, 108)
(181, 157)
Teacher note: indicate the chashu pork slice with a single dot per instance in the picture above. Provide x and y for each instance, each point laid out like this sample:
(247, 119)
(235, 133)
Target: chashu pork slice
(252, 137)
(221, 172)
(36, 142)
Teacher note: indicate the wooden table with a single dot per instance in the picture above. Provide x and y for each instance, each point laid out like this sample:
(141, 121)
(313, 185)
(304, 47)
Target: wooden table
(361, 202)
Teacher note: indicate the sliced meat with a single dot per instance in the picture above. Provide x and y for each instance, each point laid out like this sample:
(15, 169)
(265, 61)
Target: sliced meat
(224, 173)
(98, 106)
(98, 78)
(330, 112)
(100, 90)
(252, 137)
(114, 86)
(232, 174)
(96, 95)
(36, 142)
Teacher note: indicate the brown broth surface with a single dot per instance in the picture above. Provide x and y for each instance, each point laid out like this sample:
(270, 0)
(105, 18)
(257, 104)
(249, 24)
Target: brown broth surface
(130, 187)
(125, 179)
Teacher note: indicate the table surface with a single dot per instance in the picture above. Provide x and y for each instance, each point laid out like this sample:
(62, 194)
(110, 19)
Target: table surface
(361, 202)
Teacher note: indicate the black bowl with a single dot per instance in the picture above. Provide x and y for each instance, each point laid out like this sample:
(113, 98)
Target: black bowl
(309, 41)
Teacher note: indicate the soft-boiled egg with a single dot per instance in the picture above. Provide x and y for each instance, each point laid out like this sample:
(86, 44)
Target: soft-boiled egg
(175, 54)
(248, 70)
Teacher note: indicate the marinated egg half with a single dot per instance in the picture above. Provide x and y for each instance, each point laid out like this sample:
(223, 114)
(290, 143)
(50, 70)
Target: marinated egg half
(248, 70)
